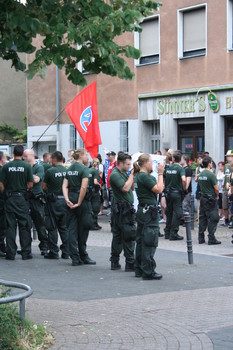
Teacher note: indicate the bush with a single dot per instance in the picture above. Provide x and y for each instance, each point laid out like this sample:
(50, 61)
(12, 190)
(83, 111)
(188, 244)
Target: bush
(14, 337)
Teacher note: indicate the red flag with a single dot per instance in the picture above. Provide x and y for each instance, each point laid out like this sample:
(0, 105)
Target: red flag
(82, 110)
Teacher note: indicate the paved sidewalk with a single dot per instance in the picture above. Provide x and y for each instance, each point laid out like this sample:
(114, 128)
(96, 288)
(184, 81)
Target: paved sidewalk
(92, 307)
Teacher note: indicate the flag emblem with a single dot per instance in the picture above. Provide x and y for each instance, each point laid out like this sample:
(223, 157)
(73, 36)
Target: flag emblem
(86, 118)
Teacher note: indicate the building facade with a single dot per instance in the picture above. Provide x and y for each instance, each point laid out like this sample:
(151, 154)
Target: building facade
(187, 55)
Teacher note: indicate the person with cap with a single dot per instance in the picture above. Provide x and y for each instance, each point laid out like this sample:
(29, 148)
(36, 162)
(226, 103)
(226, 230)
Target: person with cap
(112, 164)
(147, 189)
(226, 187)
(80, 217)
(57, 207)
(208, 217)
(175, 185)
(2, 214)
(37, 200)
(15, 180)
(123, 224)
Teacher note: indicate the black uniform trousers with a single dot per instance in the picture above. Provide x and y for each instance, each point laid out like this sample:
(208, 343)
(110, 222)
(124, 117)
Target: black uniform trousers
(208, 218)
(58, 210)
(174, 213)
(17, 211)
(120, 230)
(2, 226)
(80, 220)
(38, 217)
(147, 242)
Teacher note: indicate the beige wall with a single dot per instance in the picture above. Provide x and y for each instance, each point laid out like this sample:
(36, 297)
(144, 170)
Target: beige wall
(118, 99)
(12, 95)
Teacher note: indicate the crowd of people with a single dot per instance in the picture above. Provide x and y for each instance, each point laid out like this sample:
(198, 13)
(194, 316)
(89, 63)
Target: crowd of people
(66, 198)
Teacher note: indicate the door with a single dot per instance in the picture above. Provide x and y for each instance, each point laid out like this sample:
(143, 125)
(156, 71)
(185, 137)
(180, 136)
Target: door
(228, 134)
(191, 140)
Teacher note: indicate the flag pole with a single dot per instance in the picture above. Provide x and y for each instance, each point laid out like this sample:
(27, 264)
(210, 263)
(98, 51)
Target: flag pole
(48, 128)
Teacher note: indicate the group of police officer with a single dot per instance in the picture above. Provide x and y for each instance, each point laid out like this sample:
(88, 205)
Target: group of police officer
(67, 201)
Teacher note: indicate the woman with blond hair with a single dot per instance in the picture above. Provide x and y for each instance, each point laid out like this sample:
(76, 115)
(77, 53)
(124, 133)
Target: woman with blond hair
(147, 189)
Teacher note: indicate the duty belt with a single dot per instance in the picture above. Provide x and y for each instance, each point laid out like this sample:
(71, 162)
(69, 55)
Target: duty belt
(146, 207)
(173, 191)
(74, 191)
(16, 194)
(60, 197)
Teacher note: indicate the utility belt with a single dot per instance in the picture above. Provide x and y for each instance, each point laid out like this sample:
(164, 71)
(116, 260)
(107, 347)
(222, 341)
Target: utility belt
(51, 197)
(15, 194)
(94, 189)
(125, 211)
(171, 190)
(211, 199)
(88, 194)
(150, 209)
(40, 196)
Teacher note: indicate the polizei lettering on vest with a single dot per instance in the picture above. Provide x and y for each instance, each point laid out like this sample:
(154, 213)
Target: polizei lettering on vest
(60, 174)
(72, 173)
(171, 172)
(16, 169)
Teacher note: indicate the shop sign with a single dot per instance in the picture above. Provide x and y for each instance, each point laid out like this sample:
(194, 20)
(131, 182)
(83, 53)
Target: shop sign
(213, 102)
(181, 106)
(189, 146)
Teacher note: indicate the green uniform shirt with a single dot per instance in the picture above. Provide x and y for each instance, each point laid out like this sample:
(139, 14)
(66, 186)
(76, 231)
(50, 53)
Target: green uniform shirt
(173, 176)
(207, 180)
(227, 173)
(143, 186)
(15, 176)
(1, 195)
(38, 170)
(75, 174)
(46, 166)
(117, 181)
(93, 174)
(54, 179)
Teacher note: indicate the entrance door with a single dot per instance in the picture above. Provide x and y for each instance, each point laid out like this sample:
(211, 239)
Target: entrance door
(191, 140)
(228, 134)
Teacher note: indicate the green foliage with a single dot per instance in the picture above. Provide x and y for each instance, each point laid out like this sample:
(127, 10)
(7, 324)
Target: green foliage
(10, 325)
(14, 134)
(72, 31)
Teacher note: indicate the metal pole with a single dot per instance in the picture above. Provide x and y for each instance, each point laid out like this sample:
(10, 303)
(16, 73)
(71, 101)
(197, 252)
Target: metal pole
(189, 237)
(192, 212)
(22, 309)
(58, 108)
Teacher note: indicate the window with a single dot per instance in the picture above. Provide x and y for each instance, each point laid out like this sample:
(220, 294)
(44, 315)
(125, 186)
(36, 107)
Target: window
(124, 139)
(72, 137)
(230, 25)
(192, 32)
(148, 41)
(155, 136)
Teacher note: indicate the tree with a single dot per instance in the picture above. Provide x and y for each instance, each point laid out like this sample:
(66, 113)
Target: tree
(72, 31)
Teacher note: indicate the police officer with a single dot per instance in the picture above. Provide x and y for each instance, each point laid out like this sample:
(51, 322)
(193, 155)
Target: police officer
(147, 189)
(80, 218)
(175, 185)
(123, 214)
(57, 207)
(46, 161)
(208, 217)
(37, 200)
(2, 213)
(16, 178)
(94, 187)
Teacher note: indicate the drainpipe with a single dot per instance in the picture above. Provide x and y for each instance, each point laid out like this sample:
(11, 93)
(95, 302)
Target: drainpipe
(58, 146)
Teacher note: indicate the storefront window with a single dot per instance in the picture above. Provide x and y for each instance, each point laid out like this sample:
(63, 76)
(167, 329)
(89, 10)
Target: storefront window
(191, 139)
(228, 134)
(155, 136)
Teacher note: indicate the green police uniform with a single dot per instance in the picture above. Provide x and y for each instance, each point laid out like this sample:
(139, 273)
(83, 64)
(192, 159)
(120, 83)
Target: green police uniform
(147, 225)
(122, 221)
(208, 217)
(37, 208)
(46, 166)
(2, 221)
(57, 209)
(15, 176)
(174, 190)
(80, 219)
(95, 197)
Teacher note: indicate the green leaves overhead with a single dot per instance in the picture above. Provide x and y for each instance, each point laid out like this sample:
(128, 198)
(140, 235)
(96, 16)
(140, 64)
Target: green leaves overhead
(72, 31)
